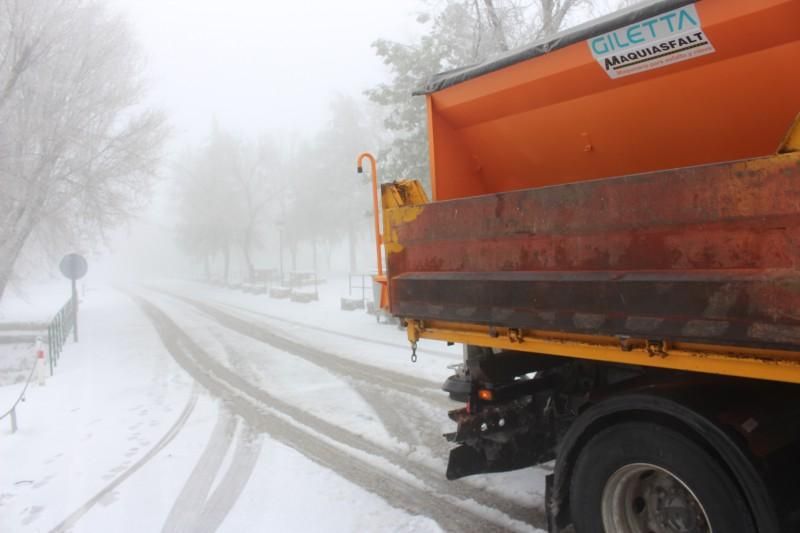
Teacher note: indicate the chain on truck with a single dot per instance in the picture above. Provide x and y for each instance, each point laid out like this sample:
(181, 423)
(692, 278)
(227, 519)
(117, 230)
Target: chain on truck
(614, 237)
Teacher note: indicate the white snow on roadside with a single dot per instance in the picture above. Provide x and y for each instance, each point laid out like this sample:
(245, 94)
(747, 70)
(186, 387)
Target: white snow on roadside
(114, 397)
(34, 303)
(16, 361)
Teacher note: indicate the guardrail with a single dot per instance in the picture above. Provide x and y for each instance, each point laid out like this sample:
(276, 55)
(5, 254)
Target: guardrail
(362, 281)
(57, 331)
(12, 412)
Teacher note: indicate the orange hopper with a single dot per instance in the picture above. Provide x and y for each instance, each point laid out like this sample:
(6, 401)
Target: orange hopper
(668, 85)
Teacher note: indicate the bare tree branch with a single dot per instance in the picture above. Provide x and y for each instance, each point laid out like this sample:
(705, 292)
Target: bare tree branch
(75, 143)
(497, 26)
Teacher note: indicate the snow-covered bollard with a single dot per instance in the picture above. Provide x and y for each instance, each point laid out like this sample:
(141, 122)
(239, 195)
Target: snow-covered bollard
(40, 370)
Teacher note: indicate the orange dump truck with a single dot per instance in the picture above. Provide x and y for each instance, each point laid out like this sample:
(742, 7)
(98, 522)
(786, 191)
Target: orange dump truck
(614, 236)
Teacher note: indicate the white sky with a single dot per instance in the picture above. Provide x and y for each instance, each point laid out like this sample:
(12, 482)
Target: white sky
(257, 66)
(261, 65)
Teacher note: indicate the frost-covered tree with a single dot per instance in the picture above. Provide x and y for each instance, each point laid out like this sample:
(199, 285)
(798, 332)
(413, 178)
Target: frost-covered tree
(77, 148)
(461, 33)
(330, 200)
(226, 189)
(206, 227)
(257, 180)
(233, 192)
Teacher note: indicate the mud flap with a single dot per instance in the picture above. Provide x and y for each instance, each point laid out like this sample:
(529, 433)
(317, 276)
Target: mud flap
(487, 457)
(465, 461)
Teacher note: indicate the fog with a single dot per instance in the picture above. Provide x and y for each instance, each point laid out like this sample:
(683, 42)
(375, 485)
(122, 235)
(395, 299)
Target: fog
(258, 65)
(253, 67)
(237, 366)
(312, 83)
(209, 323)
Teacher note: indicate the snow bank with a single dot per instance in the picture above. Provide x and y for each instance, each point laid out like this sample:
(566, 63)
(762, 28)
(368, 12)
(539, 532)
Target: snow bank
(121, 439)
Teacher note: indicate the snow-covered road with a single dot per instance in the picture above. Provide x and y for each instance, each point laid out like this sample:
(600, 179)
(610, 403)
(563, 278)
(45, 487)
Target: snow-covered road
(281, 415)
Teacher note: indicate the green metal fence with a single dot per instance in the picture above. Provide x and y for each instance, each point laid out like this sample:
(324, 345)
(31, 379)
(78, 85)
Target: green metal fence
(60, 326)
(57, 331)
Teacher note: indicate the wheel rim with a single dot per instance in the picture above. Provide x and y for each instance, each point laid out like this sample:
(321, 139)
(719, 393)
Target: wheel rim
(644, 498)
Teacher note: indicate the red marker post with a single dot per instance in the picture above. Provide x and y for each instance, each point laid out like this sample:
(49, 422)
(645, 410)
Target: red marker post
(40, 361)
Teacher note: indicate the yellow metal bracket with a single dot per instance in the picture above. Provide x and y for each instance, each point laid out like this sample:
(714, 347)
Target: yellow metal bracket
(515, 336)
(757, 363)
(414, 329)
(403, 193)
(402, 199)
(791, 143)
(657, 348)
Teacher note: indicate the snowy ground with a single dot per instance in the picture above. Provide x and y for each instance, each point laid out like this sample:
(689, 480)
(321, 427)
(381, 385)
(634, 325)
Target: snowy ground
(25, 312)
(35, 302)
(187, 407)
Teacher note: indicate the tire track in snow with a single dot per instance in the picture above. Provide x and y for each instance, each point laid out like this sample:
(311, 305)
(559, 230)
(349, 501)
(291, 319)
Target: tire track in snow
(194, 493)
(403, 423)
(219, 382)
(373, 396)
(390, 416)
(307, 326)
(232, 484)
(452, 504)
(337, 364)
(380, 380)
(198, 509)
(173, 431)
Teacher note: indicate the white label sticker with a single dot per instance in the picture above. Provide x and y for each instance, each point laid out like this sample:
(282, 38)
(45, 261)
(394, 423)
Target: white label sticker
(665, 39)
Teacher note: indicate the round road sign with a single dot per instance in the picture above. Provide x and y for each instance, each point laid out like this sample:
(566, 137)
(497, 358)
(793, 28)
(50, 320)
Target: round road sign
(73, 266)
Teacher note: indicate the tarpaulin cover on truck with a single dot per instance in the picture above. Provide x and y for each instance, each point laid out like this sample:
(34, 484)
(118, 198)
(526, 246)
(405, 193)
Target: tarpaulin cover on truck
(560, 40)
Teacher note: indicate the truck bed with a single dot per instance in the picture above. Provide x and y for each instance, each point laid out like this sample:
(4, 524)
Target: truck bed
(705, 254)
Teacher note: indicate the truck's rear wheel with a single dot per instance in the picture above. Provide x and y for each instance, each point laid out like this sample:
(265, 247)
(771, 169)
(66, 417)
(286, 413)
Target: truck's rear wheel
(643, 498)
(646, 478)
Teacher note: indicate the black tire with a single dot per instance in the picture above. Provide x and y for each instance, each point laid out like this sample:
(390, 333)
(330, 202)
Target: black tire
(623, 447)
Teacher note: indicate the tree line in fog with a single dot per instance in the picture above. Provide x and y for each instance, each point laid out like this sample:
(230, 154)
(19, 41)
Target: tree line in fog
(79, 149)
(234, 193)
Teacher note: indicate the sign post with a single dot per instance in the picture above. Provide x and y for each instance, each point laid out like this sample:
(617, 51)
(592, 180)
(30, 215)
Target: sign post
(74, 267)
